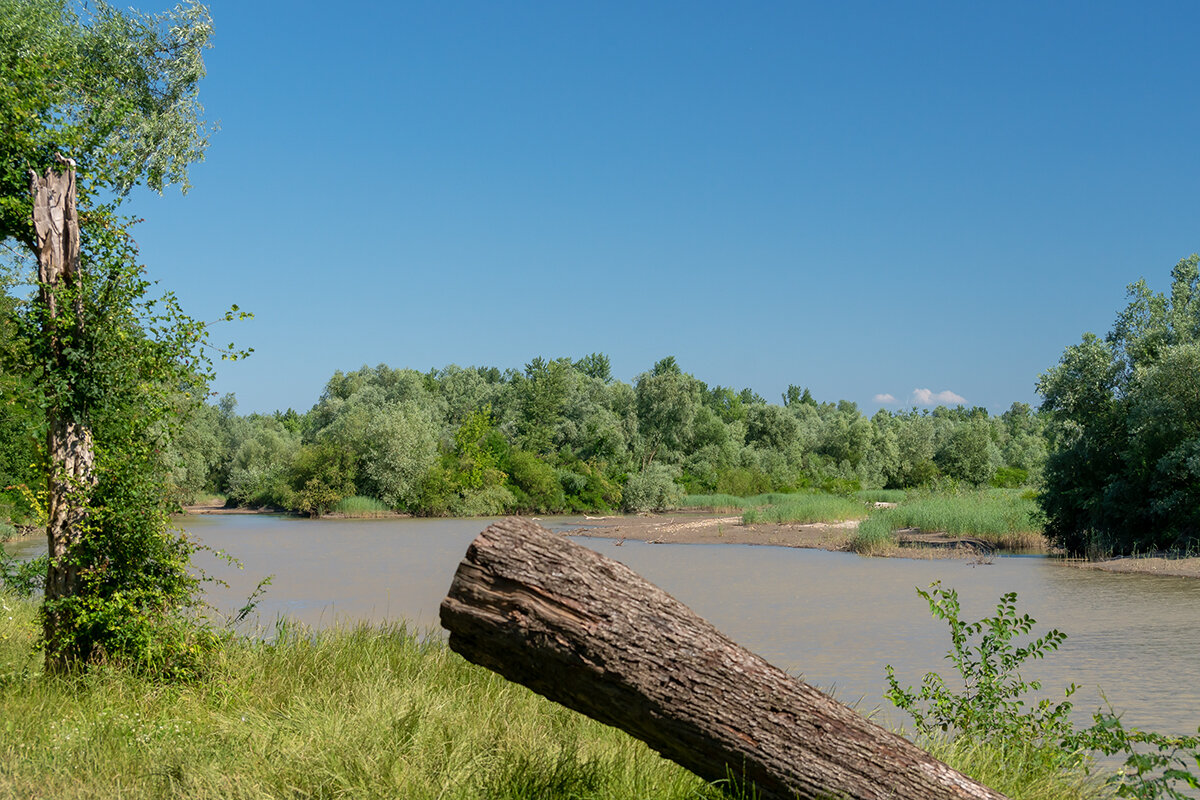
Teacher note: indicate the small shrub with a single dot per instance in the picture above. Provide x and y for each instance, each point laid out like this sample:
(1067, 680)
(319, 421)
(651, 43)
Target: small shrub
(653, 489)
(489, 501)
(991, 710)
(991, 705)
(537, 481)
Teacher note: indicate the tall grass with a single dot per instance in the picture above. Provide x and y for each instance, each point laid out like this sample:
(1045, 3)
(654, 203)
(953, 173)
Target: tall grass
(1025, 772)
(874, 536)
(365, 507)
(362, 712)
(370, 712)
(805, 508)
(1003, 518)
(727, 503)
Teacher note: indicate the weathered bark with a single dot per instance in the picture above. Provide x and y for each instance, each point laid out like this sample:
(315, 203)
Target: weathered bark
(589, 633)
(68, 442)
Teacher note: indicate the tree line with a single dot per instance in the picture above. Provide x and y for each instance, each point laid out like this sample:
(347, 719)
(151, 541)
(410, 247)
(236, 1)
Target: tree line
(564, 435)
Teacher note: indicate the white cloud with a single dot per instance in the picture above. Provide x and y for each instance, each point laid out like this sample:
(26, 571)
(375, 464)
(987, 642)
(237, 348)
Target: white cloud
(884, 398)
(926, 397)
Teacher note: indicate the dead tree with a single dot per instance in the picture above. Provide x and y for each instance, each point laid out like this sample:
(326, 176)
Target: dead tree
(68, 441)
(588, 632)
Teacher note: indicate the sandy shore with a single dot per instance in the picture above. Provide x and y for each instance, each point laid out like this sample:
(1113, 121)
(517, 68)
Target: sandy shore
(1168, 565)
(698, 527)
(707, 528)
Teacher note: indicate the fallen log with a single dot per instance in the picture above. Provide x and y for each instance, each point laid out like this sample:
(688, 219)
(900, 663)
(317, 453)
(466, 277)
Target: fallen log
(589, 633)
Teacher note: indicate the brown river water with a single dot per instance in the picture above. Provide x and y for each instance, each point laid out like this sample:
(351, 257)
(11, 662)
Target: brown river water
(835, 619)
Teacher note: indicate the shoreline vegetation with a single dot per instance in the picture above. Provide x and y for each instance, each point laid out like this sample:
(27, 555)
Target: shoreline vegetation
(969, 525)
(362, 711)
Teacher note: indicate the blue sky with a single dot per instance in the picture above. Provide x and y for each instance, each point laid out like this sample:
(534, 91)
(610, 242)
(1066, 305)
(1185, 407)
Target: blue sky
(862, 198)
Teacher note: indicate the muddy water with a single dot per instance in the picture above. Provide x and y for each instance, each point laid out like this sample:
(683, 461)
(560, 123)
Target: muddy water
(834, 618)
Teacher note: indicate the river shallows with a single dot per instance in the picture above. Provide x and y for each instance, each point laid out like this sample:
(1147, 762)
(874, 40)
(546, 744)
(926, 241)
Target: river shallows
(834, 618)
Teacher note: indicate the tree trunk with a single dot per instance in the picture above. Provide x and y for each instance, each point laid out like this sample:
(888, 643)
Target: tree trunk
(589, 633)
(68, 442)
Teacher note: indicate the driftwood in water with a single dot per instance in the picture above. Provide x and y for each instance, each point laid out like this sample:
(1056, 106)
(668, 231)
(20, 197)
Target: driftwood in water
(588, 632)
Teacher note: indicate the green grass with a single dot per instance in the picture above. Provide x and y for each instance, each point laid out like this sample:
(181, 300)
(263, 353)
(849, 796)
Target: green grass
(804, 508)
(874, 536)
(1004, 518)
(359, 712)
(723, 503)
(364, 712)
(365, 507)
(1021, 772)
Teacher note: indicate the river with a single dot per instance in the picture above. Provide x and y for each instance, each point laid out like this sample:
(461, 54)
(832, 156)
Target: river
(835, 619)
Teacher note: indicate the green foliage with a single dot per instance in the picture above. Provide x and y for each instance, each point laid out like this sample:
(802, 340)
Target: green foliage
(1123, 473)
(487, 501)
(478, 451)
(805, 508)
(116, 90)
(423, 442)
(1009, 477)
(322, 475)
(874, 535)
(992, 707)
(992, 702)
(537, 483)
(361, 507)
(743, 481)
(22, 578)
(969, 455)
(653, 489)
(1155, 764)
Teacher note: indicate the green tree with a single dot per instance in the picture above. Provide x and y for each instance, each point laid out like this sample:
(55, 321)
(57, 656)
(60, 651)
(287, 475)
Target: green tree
(667, 402)
(1123, 412)
(116, 92)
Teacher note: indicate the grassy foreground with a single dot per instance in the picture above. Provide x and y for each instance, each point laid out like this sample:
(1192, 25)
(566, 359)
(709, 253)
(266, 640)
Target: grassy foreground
(354, 713)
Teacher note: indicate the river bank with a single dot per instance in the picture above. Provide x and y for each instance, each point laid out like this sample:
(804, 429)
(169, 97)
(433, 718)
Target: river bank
(699, 527)
(354, 711)
(708, 527)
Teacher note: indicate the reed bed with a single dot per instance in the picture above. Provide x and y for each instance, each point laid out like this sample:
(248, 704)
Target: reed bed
(874, 535)
(806, 508)
(1005, 519)
(882, 495)
(362, 507)
(728, 503)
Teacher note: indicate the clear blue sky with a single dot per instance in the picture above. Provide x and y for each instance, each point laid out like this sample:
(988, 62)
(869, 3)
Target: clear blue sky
(862, 198)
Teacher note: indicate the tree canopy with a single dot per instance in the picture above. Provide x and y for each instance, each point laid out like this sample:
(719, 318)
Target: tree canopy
(1123, 473)
(108, 98)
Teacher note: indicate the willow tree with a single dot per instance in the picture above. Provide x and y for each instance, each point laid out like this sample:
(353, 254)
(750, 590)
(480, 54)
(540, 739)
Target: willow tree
(95, 101)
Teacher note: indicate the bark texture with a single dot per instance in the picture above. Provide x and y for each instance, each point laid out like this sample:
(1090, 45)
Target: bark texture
(68, 442)
(589, 633)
